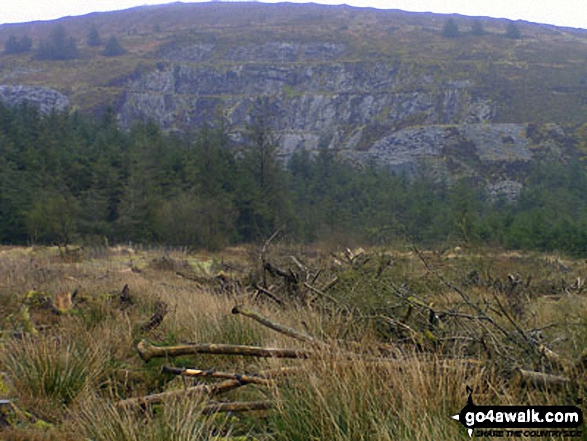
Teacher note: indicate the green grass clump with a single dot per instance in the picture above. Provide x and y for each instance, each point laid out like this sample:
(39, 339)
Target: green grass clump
(52, 370)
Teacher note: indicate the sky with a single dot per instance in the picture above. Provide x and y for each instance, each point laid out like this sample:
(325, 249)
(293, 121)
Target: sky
(571, 13)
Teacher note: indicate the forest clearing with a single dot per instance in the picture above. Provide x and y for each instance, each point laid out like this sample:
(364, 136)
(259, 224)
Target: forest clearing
(282, 342)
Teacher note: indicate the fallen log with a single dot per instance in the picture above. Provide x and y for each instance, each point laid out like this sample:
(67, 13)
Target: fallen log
(147, 351)
(246, 406)
(186, 372)
(201, 390)
(264, 378)
(542, 381)
(195, 391)
(290, 332)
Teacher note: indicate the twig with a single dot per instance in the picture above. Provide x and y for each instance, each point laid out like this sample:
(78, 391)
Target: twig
(268, 294)
(322, 294)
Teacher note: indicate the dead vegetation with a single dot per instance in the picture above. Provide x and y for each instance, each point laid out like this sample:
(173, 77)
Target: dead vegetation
(283, 342)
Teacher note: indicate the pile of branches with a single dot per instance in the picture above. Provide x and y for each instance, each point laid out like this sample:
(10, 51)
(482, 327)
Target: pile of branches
(472, 331)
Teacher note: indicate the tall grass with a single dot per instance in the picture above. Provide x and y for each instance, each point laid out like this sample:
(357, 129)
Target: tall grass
(177, 420)
(358, 400)
(52, 371)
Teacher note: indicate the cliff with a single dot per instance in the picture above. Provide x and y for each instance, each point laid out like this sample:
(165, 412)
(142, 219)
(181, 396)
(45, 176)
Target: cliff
(370, 85)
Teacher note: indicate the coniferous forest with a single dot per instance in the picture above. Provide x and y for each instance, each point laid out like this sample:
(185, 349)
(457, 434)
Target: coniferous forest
(66, 178)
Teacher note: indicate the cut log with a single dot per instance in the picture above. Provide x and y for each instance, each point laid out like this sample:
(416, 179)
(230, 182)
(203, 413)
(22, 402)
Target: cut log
(195, 391)
(147, 351)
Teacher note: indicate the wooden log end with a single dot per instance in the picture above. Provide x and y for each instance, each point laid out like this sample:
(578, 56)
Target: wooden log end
(145, 350)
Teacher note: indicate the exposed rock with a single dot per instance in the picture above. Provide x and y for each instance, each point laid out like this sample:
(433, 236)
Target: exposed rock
(386, 112)
(46, 99)
(508, 190)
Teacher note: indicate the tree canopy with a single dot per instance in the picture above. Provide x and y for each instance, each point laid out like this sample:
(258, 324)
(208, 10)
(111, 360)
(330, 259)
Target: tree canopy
(65, 178)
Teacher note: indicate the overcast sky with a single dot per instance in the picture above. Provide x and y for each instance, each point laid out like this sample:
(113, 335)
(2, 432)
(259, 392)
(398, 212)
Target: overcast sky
(572, 13)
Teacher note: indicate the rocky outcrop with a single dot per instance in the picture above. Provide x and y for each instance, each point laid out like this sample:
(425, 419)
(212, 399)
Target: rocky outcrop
(44, 98)
(391, 112)
(311, 93)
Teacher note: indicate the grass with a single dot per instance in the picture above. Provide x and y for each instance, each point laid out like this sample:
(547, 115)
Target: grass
(67, 377)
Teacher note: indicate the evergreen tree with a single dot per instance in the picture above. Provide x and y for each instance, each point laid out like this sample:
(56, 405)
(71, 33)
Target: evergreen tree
(94, 37)
(451, 29)
(15, 45)
(113, 48)
(477, 28)
(59, 46)
(512, 31)
(261, 195)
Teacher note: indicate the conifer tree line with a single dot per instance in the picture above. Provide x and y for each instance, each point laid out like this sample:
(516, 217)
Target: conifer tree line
(59, 45)
(69, 179)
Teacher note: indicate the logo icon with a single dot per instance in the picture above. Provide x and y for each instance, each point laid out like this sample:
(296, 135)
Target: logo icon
(517, 417)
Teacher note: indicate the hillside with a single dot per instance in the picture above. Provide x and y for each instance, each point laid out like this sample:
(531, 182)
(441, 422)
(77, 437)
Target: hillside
(369, 84)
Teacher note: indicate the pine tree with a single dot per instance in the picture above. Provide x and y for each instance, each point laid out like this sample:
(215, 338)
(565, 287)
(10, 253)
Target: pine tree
(15, 45)
(512, 31)
(477, 28)
(60, 46)
(113, 48)
(450, 30)
(94, 37)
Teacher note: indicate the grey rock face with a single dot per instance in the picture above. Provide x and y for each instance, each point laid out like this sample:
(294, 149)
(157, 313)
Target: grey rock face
(382, 111)
(342, 102)
(46, 99)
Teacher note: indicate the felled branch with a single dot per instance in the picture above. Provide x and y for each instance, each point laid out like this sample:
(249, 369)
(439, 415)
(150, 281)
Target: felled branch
(209, 390)
(147, 351)
(262, 378)
(214, 374)
(268, 294)
(195, 391)
(290, 332)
